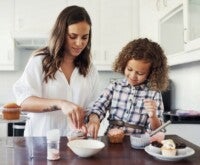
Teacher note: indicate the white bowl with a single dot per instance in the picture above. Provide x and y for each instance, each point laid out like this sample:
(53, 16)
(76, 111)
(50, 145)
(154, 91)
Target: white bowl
(85, 147)
(139, 141)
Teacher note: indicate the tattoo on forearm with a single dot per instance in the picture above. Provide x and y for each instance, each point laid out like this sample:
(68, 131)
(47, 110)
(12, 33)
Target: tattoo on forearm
(51, 108)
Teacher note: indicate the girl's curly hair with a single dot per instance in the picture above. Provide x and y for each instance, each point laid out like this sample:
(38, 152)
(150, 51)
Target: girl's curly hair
(145, 49)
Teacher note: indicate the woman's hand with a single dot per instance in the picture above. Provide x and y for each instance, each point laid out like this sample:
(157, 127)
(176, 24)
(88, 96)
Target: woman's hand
(74, 113)
(93, 126)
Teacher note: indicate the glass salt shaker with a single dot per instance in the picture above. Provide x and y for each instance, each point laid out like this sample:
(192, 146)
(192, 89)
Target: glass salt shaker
(53, 144)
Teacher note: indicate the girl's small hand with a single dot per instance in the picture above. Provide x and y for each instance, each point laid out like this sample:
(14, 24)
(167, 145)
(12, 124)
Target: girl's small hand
(151, 107)
(93, 126)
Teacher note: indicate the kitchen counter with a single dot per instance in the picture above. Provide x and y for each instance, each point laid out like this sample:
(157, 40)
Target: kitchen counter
(115, 154)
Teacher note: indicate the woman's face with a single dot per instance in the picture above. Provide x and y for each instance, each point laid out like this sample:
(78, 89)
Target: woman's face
(77, 38)
(137, 71)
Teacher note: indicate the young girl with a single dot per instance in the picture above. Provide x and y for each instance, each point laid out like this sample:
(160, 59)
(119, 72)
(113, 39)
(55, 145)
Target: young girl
(134, 103)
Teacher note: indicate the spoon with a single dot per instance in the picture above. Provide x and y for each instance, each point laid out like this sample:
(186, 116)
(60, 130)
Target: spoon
(159, 128)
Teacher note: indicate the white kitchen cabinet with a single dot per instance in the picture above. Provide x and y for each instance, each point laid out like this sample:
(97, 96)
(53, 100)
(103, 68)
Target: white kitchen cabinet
(189, 132)
(191, 24)
(183, 24)
(36, 18)
(7, 61)
(180, 32)
(6, 15)
(167, 7)
(114, 24)
(171, 32)
(175, 26)
(118, 26)
(3, 129)
(6, 35)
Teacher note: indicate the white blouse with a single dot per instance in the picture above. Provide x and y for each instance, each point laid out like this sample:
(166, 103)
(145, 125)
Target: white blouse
(81, 90)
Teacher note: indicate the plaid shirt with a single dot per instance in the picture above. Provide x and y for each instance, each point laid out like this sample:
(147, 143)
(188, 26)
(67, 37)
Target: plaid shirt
(125, 103)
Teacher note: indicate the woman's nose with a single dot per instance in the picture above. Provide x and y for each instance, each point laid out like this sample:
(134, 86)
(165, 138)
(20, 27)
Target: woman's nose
(78, 42)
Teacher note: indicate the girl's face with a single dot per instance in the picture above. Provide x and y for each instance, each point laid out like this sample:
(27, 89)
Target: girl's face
(77, 38)
(137, 71)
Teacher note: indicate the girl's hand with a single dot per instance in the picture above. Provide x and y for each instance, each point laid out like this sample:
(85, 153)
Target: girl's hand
(151, 107)
(93, 126)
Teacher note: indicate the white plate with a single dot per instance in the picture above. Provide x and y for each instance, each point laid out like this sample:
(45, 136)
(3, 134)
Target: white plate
(22, 118)
(189, 152)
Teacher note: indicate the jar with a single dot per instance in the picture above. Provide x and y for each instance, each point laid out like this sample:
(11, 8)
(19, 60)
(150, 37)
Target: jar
(53, 149)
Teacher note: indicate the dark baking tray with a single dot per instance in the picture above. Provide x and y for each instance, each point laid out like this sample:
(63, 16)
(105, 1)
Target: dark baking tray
(180, 119)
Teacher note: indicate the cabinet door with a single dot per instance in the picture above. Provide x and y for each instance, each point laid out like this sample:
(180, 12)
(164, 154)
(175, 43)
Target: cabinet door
(117, 26)
(171, 32)
(6, 15)
(3, 129)
(6, 52)
(36, 17)
(167, 22)
(167, 6)
(192, 24)
(6, 32)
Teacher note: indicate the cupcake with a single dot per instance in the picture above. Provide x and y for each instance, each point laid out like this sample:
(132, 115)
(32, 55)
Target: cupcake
(168, 148)
(115, 135)
(11, 111)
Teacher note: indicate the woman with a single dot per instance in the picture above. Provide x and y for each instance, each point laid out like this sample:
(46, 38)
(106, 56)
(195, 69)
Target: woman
(59, 81)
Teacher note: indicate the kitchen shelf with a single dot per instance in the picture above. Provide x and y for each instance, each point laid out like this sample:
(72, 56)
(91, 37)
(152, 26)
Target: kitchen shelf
(21, 119)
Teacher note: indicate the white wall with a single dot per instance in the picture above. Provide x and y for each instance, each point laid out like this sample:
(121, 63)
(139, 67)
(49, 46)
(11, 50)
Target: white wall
(186, 95)
(9, 77)
(186, 84)
(189, 132)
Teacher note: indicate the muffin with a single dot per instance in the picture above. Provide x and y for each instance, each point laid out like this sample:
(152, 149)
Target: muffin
(168, 148)
(11, 111)
(115, 135)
